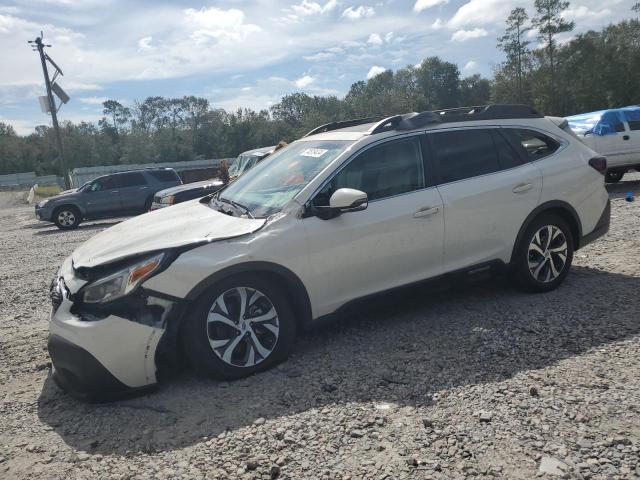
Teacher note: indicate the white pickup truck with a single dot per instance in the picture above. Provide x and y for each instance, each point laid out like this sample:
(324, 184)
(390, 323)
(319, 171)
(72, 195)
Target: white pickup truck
(614, 133)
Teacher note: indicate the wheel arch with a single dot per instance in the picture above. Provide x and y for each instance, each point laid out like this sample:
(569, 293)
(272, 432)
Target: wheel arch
(67, 205)
(291, 283)
(564, 210)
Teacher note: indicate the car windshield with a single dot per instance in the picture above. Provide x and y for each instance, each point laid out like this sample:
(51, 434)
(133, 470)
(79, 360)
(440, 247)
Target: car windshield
(265, 189)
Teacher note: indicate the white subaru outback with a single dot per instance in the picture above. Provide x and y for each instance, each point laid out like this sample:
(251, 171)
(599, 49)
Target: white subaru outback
(352, 209)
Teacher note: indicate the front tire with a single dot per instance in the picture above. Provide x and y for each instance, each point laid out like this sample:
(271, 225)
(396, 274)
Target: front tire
(67, 218)
(545, 253)
(241, 326)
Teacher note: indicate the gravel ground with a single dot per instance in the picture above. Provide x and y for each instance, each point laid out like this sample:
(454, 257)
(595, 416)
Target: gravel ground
(471, 382)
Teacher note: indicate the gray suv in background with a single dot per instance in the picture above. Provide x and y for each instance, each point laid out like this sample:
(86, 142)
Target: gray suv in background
(108, 196)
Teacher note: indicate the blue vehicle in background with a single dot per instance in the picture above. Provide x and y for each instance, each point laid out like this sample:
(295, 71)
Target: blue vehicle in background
(614, 133)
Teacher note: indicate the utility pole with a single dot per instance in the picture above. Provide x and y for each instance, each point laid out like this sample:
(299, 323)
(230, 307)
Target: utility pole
(52, 106)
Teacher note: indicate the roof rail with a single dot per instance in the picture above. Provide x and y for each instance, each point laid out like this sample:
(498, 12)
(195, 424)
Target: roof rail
(385, 124)
(327, 127)
(411, 121)
(487, 112)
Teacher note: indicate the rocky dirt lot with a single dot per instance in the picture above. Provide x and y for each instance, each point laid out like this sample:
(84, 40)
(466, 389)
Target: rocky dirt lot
(475, 381)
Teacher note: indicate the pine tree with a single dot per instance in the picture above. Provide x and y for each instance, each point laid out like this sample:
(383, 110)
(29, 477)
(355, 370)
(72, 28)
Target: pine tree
(515, 46)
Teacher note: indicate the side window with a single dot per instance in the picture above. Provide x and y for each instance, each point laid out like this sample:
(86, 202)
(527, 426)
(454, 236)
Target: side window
(133, 179)
(164, 175)
(610, 123)
(383, 171)
(535, 144)
(633, 119)
(507, 156)
(101, 184)
(464, 154)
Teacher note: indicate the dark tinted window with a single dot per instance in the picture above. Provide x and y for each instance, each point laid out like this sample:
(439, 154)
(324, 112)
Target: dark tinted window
(464, 154)
(132, 179)
(100, 184)
(507, 156)
(164, 175)
(633, 119)
(535, 144)
(383, 171)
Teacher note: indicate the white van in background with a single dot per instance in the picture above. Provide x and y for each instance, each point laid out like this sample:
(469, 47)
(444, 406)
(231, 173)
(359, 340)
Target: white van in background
(614, 133)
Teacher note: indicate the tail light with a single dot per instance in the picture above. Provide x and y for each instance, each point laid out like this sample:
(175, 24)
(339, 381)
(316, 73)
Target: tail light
(599, 163)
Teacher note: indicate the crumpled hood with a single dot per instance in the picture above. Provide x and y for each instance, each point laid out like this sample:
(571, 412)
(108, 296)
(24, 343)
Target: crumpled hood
(183, 224)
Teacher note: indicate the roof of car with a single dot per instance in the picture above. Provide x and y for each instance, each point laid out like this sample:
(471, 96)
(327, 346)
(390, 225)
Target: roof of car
(261, 150)
(356, 128)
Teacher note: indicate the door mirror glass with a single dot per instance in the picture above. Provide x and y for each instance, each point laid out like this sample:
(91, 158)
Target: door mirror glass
(348, 200)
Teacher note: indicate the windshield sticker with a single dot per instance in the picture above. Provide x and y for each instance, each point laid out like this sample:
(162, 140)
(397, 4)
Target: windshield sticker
(314, 152)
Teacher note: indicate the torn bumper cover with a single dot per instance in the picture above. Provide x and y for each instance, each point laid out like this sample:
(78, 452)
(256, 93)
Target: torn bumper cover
(103, 353)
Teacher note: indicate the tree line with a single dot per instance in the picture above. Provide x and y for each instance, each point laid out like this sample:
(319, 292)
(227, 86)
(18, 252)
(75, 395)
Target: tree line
(594, 70)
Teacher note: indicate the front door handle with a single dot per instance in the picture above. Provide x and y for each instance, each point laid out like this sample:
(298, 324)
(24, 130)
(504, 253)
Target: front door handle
(523, 187)
(426, 212)
(626, 137)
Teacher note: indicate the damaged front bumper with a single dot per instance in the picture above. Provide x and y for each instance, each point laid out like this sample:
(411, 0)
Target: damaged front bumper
(101, 353)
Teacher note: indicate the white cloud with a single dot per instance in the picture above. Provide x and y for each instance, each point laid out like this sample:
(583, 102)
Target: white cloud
(425, 4)
(470, 67)
(319, 57)
(481, 12)
(313, 8)
(217, 24)
(583, 14)
(304, 81)
(438, 24)
(93, 100)
(375, 70)
(145, 43)
(375, 39)
(352, 13)
(389, 36)
(464, 35)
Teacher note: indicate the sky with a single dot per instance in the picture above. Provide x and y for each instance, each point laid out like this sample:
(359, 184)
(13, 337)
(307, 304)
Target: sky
(243, 53)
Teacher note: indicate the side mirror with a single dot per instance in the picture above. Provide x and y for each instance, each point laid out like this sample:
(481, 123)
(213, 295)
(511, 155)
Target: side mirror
(348, 200)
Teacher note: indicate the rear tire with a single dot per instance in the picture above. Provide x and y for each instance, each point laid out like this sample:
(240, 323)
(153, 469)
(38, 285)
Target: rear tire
(67, 217)
(224, 340)
(614, 176)
(544, 255)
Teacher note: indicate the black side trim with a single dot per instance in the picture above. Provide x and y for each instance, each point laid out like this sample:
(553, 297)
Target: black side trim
(553, 204)
(602, 227)
(296, 289)
(82, 376)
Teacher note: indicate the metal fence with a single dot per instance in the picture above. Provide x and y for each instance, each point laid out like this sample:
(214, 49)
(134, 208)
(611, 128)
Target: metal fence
(79, 176)
(28, 179)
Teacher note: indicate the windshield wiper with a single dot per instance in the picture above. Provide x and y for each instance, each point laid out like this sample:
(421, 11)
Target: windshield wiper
(237, 205)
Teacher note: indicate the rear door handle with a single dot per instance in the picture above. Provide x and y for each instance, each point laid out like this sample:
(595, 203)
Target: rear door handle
(426, 212)
(523, 187)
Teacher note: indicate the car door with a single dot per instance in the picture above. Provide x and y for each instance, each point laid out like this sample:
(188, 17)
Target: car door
(488, 190)
(631, 137)
(611, 139)
(396, 240)
(101, 197)
(134, 191)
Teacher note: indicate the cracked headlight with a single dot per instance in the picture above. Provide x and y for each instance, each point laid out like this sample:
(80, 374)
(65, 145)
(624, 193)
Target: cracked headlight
(121, 283)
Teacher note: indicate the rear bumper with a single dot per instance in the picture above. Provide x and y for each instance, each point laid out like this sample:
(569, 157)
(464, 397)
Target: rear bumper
(602, 227)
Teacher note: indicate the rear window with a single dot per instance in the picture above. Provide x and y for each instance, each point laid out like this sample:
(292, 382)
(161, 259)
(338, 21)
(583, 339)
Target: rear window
(133, 179)
(164, 175)
(536, 145)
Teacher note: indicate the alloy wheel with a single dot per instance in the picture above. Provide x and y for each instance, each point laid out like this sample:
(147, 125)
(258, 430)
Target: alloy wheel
(66, 218)
(547, 254)
(242, 327)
